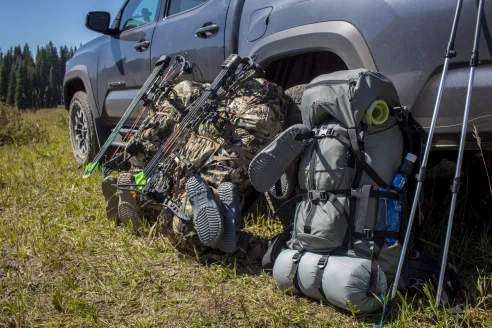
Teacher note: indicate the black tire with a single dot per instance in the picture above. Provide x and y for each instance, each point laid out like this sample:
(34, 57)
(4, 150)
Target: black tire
(82, 130)
(294, 111)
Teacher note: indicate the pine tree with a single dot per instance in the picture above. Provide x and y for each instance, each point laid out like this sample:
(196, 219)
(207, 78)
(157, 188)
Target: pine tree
(50, 90)
(33, 83)
(4, 82)
(8, 61)
(17, 52)
(54, 75)
(12, 86)
(5, 75)
(22, 88)
(63, 63)
(26, 54)
(41, 78)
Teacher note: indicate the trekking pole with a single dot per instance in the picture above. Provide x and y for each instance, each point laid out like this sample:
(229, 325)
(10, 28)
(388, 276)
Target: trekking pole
(457, 178)
(450, 53)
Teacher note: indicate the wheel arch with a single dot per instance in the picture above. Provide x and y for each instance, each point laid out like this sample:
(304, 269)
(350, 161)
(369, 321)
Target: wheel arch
(338, 37)
(77, 79)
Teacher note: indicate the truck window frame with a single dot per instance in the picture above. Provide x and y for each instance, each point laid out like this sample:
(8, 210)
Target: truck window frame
(117, 21)
(168, 7)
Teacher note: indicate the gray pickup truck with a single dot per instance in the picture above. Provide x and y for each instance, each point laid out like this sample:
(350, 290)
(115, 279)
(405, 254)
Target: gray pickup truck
(294, 41)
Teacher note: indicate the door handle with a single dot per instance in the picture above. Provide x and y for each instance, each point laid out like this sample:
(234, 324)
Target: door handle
(117, 84)
(142, 45)
(207, 30)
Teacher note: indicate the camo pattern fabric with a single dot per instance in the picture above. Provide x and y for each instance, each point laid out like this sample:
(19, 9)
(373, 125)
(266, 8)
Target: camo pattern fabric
(163, 118)
(257, 115)
(223, 146)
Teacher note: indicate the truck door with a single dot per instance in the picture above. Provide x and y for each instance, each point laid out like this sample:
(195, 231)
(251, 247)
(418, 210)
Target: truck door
(196, 27)
(124, 62)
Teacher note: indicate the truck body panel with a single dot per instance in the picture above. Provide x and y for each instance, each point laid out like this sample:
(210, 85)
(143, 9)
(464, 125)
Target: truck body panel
(403, 39)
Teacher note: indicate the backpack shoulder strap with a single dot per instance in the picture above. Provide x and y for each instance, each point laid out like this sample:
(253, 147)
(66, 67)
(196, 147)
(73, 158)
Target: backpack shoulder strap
(361, 160)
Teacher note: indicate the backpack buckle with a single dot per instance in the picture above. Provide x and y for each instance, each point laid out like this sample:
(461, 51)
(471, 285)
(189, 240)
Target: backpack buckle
(401, 113)
(297, 257)
(324, 131)
(323, 261)
(367, 234)
(317, 195)
(355, 193)
(413, 254)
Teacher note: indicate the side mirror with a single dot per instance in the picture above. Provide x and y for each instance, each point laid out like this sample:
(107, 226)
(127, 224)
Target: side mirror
(98, 21)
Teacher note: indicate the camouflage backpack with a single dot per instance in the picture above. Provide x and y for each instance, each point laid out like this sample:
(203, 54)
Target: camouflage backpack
(223, 148)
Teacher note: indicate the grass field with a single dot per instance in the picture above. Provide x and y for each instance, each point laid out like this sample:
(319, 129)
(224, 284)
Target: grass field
(63, 264)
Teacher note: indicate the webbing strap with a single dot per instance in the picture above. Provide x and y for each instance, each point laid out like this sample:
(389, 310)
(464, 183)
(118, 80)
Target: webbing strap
(363, 205)
(310, 217)
(372, 234)
(352, 208)
(239, 150)
(341, 209)
(324, 194)
(312, 165)
(322, 133)
(407, 132)
(296, 258)
(318, 280)
(403, 118)
(354, 144)
(274, 247)
(337, 205)
(240, 161)
(376, 250)
(355, 184)
(312, 186)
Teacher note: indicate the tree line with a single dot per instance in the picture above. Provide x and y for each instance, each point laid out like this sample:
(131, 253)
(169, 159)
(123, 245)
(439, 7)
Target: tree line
(30, 83)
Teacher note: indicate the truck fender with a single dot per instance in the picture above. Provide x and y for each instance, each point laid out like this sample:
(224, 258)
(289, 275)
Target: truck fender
(338, 37)
(80, 72)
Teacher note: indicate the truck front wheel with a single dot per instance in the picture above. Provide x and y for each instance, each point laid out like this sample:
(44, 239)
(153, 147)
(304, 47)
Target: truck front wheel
(82, 131)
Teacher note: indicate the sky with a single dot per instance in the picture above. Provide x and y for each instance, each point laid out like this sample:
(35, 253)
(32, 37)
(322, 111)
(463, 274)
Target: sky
(38, 22)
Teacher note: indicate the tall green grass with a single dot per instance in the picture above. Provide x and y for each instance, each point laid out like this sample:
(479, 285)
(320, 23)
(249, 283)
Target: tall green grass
(17, 128)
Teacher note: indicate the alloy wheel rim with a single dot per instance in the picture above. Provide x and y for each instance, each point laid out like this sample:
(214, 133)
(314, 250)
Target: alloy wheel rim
(81, 131)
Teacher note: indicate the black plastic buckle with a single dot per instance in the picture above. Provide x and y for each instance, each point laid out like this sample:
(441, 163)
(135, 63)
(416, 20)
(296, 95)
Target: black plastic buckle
(354, 193)
(297, 257)
(401, 113)
(323, 261)
(324, 132)
(413, 254)
(317, 195)
(367, 234)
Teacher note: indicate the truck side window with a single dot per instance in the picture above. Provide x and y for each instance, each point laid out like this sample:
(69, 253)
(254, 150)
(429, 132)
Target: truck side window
(178, 6)
(137, 13)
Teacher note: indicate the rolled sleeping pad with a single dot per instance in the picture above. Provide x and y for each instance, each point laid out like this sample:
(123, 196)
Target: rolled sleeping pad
(345, 280)
(281, 270)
